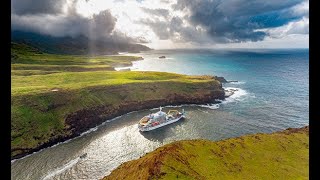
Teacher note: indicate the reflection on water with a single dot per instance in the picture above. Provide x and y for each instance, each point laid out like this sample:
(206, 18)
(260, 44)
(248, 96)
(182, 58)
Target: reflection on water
(119, 141)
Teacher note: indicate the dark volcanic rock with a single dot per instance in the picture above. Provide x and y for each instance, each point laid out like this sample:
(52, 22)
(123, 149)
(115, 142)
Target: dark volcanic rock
(162, 57)
(221, 79)
(85, 119)
(230, 92)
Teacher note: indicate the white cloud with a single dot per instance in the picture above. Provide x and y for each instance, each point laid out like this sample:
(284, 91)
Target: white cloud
(297, 27)
(301, 9)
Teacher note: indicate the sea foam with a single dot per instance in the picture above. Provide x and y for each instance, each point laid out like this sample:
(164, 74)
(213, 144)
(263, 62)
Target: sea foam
(238, 82)
(211, 106)
(238, 95)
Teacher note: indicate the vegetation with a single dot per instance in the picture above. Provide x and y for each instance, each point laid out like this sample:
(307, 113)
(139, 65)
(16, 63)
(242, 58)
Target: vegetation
(46, 88)
(24, 57)
(281, 155)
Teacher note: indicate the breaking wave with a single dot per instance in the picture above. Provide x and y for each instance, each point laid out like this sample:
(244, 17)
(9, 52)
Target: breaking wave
(238, 82)
(238, 95)
(211, 106)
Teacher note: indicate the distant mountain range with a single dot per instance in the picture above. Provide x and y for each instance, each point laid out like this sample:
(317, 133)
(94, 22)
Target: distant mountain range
(78, 45)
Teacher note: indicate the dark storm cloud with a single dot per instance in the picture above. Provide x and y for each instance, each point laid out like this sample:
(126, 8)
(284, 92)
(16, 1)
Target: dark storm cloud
(23, 7)
(174, 29)
(205, 21)
(47, 18)
(99, 26)
(160, 28)
(238, 20)
(56, 26)
(102, 24)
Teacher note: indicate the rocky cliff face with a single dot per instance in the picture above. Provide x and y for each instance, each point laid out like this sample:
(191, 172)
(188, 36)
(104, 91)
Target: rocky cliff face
(85, 119)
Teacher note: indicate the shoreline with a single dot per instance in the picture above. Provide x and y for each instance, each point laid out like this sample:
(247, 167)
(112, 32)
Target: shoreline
(83, 120)
(93, 129)
(66, 139)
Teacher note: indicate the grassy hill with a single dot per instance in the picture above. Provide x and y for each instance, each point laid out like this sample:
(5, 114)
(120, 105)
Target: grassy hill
(27, 60)
(56, 97)
(280, 155)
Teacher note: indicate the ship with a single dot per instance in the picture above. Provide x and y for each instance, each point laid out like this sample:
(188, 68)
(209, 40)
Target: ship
(159, 119)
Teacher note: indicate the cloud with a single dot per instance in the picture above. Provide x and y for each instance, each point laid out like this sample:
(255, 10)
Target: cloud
(296, 27)
(70, 23)
(228, 21)
(156, 12)
(175, 29)
(57, 26)
(238, 20)
(301, 9)
(23, 7)
(160, 28)
(102, 24)
(197, 22)
(98, 26)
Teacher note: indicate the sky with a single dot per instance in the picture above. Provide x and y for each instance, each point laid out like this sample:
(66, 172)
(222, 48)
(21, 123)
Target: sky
(167, 24)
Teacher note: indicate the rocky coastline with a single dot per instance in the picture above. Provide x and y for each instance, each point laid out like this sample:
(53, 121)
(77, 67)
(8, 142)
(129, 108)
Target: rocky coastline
(82, 120)
(85, 119)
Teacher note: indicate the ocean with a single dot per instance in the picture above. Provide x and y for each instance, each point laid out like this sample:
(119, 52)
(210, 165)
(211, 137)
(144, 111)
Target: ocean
(273, 84)
(272, 94)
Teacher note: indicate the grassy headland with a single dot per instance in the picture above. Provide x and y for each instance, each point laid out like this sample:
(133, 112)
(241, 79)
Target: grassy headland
(27, 58)
(280, 155)
(56, 97)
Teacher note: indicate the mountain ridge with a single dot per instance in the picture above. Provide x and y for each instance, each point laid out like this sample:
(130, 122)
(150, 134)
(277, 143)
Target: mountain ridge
(79, 45)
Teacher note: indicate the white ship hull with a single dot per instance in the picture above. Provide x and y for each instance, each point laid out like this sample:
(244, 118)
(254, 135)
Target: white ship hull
(160, 125)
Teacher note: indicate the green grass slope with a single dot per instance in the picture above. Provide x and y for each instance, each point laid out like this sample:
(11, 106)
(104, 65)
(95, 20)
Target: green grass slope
(48, 88)
(32, 61)
(280, 155)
